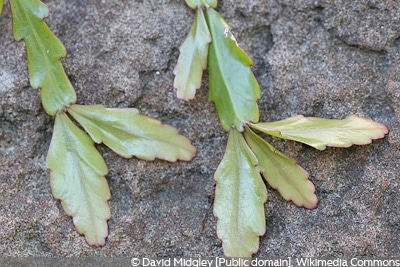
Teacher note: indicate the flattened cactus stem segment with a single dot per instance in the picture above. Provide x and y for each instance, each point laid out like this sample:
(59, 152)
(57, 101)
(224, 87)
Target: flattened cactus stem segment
(77, 179)
(201, 3)
(282, 173)
(320, 133)
(44, 52)
(240, 195)
(129, 133)
(77, 168)
(232, 85)
(192, 58)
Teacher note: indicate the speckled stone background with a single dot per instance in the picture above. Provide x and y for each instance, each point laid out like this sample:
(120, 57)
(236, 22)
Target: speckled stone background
(325, 58)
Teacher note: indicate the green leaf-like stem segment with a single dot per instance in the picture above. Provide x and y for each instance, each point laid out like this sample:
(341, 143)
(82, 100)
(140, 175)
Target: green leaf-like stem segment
(77, 179)
(201, 3)
(240, 195)
(44, 51)
(1, 6)
(282, 173)
(232, 85)
(320, 133)
(130, 134)
(193, 58)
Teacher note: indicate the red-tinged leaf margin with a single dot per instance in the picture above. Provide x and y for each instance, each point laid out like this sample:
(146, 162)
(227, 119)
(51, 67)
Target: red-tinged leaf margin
(192, 60)
(240, 194)
(320, 133)
(77, 179)
(129, 133)
(282, 173)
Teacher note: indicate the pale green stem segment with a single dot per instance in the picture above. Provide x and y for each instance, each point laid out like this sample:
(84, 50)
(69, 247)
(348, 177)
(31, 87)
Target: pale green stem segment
(320, 133)
(193, 58)
(240, 195)
(282, 173)
(201, 3)
(44, 52)
(1, 5)
(232, 85)
(129, 133)
(77, 179)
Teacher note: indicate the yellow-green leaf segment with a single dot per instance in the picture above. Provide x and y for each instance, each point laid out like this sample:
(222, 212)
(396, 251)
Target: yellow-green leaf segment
(239, 199)
(44, 52)
(193, 58)
(240, 191)
(202, 3)
(232, 85)
(77, 168)
(77, 179)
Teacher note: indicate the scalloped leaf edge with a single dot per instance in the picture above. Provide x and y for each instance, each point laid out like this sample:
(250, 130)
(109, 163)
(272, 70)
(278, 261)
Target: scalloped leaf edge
(353, 130)
(240, 194)
(282, 173)
(77, 179)
(129, 133)
(192, 59)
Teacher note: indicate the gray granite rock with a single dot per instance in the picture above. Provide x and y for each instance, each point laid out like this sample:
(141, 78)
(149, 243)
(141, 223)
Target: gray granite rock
(318, 58)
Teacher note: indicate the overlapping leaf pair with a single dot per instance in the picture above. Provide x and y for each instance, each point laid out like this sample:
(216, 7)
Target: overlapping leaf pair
(240, 192)
(77, 168)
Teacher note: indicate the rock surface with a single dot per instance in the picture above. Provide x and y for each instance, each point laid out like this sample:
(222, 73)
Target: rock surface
(313, 57)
